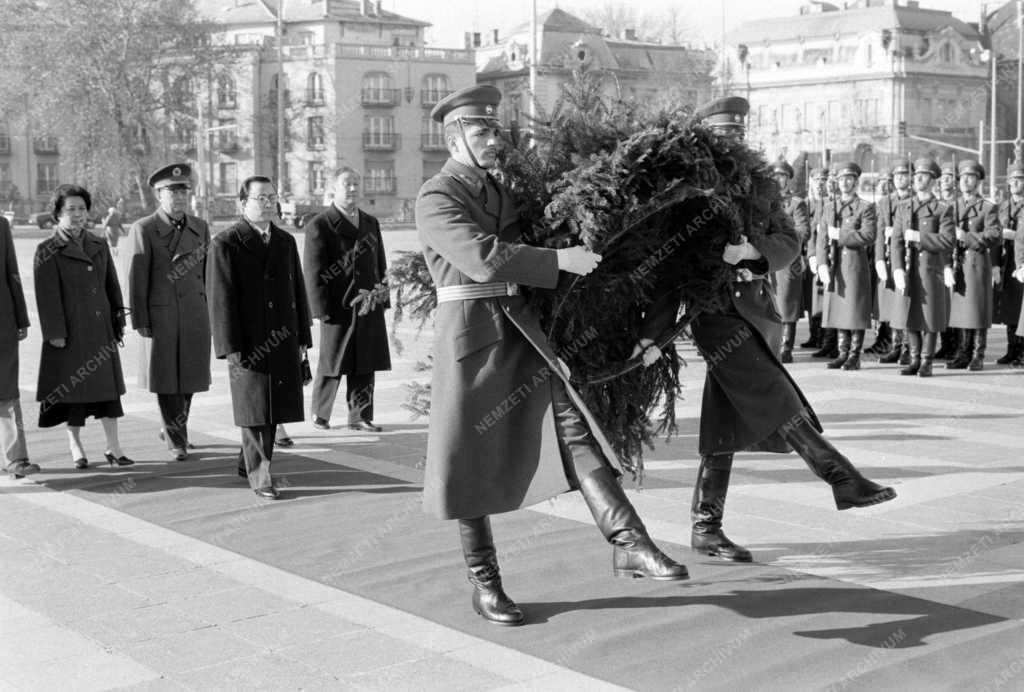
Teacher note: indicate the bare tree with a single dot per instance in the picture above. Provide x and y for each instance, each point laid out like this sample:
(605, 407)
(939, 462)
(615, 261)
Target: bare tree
(615, 18)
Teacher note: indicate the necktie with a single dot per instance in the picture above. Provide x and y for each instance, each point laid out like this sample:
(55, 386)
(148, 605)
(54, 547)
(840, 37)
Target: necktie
(178, 225)
(265, 237)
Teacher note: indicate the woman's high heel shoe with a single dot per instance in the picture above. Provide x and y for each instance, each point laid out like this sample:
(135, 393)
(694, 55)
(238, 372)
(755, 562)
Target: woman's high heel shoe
(120, 461)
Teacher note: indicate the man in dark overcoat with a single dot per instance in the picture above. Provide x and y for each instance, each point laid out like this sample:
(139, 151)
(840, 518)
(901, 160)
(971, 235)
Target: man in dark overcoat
(846, 232)
(789, 281)
(507, 429)
(1010, 293)
(945, 190)
(261, 325)
(346, 280)
(885, 213)
(750, 401)
(970, 275)
(167, 294)
(13, 328)
(921, 243)
(817, 198)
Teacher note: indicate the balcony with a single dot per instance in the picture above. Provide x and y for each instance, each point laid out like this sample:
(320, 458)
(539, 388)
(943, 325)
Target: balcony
(430, 97)
(380, 185)
(314, 97)
(403, 53)
(381, 97)
(433, 141)
(381, 141)
(45, 145)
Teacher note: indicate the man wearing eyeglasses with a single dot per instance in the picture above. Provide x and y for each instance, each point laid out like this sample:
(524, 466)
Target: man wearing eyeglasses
(167, 295)
(261, 325)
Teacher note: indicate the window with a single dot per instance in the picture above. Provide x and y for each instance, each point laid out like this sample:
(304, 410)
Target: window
(317, 178)
(227, 182)
(315, 132)
(380, 178)
(433, 136)
(45, 145)
(380, 133)
(227, 97)
(5, 181)
(5, 140)
(435, 88)
(306, 38)
(181, 92)
(227, 135)
(315, 89)
(46, 178)
(184, 132)
(377, 90)
(946, 53)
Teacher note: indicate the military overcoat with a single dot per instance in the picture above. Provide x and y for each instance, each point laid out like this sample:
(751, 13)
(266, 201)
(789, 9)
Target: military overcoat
(813, 292)
(167, 294)
(848, 304)
(79, 300)
(339, 259)
(258, 309)
(885, 289)
(971, 304)
(924, 305)
(789, 281)
(13, 314)
(1010, 293)
(1018, 254)
(492, 444)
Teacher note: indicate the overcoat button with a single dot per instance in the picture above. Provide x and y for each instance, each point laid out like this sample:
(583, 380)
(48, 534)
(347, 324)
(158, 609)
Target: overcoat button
(738, 294)
(270, 304)
(89, 268)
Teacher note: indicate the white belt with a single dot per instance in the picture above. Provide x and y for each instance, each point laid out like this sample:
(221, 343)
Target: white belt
(447, 294)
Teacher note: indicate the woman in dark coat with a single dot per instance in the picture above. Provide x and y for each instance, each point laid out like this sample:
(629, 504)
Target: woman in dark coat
(13, 328)
(81, 314)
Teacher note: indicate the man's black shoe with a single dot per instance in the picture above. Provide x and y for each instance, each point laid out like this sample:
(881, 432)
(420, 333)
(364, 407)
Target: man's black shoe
(321, 424)
(270, 493)
(365, 426)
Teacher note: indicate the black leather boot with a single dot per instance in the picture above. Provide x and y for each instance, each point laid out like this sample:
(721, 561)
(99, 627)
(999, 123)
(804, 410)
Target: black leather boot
(709, 506)
(905, 353)
(634, 553)
(856, 341)
(1012, 346)
(927, 354)
(788, 336)
(980, 343)
(962, 358)
(898, 346)
(883, 340)
(489, 599)
(843, 348)
(814, 340)
(914, 346)
(849, 487)
(829, 342)
(947, 345)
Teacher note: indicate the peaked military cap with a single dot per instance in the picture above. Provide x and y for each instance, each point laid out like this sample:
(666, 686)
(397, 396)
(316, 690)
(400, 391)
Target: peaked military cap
(726, 112)
(901, 166)
(848, 169)
(969, 166)
(1016, 170)
(927, 165)
(947, 168)
(782, 166)
(174, 174)
(478, 102)
(819, 174)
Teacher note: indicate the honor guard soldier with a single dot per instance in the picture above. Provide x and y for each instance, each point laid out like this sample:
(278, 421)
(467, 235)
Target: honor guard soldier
(949, 338)
(885, 212)
(1009, 293)
(817, 198)
(489, 348)
(922, 239)
(167, 293)
(789, 281)
(846, 232)
(970, 274)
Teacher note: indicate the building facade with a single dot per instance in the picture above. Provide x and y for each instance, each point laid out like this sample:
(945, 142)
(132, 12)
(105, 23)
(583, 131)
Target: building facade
(630, 68)
(860, 83)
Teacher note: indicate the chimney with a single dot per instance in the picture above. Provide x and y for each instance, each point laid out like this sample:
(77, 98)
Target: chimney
(630, 34)
(364, 7)
(494, 36)
(472, 40)
(377, 7)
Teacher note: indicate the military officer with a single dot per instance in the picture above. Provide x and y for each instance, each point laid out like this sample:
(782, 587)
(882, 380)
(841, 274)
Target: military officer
(949, 338)
(167, 294)
(1009, 293)
(846, 231)
(750, 401)
(789, 280)
(885, 211)
(486, 455)
(970, 274)
(817, 197)
(922, 239)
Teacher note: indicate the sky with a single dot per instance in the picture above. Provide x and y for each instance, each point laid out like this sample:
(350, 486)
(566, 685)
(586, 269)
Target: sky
(452, 18)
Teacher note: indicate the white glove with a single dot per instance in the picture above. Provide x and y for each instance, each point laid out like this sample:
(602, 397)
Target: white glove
(948, 278)
(912, 236)
(888, 232)
(651, 352)
(899, 277)
(833, 233)
(960, 234)
(1019, 274)
(1009, 234)
(577, 260)
(997, 276)
(812, 262)
(823, 275)
(882, 270)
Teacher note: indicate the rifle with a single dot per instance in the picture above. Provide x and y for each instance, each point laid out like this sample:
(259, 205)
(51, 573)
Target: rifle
(908, 248)
(833, 245)
(959, 284)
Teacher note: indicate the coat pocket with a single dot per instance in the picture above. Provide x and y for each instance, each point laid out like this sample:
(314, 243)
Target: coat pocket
(478, 336)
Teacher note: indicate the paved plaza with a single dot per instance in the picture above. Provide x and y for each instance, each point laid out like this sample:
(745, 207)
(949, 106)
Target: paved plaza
(174, 576)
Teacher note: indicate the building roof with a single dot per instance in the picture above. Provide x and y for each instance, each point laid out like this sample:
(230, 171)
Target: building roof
(559, 21)
(857, 20)
(256, 12)
(1003, 27)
